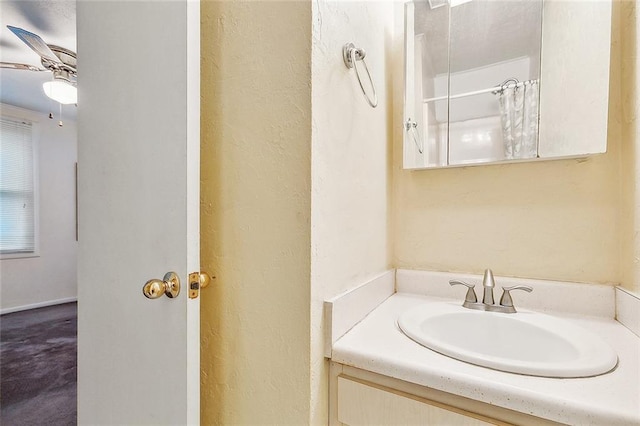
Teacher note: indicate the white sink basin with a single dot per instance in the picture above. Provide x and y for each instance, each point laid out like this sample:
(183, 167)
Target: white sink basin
(525, 342)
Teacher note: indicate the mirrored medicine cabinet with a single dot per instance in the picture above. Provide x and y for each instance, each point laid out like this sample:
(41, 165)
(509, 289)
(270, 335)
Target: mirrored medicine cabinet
(494, 81)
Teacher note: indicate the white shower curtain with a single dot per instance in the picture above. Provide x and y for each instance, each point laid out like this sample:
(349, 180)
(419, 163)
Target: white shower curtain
(519, 114)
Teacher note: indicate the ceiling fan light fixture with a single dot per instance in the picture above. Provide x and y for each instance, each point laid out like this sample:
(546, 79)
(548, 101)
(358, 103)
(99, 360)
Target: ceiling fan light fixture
(61, 91)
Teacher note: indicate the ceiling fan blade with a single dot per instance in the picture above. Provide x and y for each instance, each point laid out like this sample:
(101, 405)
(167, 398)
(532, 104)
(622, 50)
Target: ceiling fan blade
(35, 43)
(13, 65)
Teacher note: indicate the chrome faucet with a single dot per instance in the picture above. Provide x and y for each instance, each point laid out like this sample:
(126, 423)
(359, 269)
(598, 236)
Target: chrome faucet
(488, 303)
(488, 283)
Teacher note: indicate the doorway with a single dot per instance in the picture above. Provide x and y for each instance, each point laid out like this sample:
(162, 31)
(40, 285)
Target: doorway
(38, 236)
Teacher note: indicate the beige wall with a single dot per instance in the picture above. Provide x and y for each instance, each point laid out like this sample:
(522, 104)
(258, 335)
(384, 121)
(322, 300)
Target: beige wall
(553, 220)
(630, 164)
(271, 254)
(255, 215)
(350, 165)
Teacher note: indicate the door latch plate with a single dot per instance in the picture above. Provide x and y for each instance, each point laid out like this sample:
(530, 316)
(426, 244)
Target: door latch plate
(197, 280)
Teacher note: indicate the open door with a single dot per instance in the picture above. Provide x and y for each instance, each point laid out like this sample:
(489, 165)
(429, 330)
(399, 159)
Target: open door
(138, 192)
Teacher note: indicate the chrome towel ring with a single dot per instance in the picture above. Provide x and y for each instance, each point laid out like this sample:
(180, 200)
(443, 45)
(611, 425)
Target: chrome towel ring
(350, 55)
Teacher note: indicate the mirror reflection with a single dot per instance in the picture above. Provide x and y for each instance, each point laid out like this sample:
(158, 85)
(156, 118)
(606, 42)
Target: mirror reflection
(476, 72)
(494, 67)
(473, 85)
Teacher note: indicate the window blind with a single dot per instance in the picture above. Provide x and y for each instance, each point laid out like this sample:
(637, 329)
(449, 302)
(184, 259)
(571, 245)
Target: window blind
(17, 201)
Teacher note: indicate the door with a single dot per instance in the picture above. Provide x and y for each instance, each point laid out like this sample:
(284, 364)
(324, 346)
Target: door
(138, 191)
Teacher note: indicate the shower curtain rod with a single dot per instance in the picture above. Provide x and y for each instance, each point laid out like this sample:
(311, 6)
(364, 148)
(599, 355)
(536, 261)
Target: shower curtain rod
(477, 92)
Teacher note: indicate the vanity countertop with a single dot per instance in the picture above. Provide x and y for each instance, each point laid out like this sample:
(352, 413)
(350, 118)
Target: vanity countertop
(376, 344)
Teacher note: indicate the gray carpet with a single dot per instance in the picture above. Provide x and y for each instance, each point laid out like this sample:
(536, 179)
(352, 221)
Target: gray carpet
(38, 369)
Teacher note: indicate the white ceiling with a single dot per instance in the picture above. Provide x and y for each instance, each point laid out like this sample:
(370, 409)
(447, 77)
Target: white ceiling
(55, 22)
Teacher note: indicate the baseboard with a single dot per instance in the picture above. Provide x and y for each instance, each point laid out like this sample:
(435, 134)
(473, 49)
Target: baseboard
(38, 305)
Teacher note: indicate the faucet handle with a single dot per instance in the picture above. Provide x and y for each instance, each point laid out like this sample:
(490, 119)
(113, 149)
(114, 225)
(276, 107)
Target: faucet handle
(471, 294)
(506, 299)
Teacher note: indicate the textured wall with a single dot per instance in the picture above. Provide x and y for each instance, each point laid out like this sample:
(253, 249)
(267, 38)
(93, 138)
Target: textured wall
(351, 162)
(255, 215)
(630, 166)
(52, 275)
(555, 220)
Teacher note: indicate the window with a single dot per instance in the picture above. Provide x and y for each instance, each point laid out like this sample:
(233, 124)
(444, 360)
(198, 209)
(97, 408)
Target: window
(17, 189)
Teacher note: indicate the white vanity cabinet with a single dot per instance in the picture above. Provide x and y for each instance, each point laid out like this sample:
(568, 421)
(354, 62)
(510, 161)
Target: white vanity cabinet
(363, 403)
(359, 397)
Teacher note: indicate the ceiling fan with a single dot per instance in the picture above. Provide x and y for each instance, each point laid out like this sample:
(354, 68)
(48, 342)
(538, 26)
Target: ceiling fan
(58, 60)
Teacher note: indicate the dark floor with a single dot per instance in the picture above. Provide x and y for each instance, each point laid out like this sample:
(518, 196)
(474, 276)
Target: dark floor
(38, 370)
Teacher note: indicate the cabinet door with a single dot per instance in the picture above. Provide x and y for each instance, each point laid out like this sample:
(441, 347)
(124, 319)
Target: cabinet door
(368, 404)
(575, 63)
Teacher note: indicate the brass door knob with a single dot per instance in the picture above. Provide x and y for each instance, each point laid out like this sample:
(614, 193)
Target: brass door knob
(169, 285)
(205, 279)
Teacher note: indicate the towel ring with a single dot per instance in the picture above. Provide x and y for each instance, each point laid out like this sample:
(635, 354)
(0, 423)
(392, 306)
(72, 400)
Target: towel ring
(412, 125)
(350, 55)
